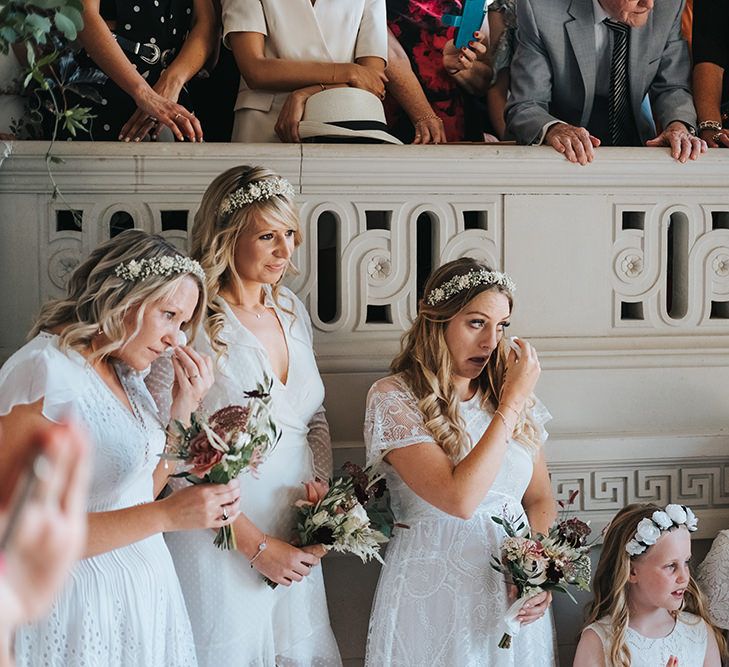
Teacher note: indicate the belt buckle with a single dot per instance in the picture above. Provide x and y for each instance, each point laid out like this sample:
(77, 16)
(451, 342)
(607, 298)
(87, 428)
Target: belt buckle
(154, 59)
(166, 57)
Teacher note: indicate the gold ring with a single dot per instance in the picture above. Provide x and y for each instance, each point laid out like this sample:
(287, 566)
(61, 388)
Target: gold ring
(177, 115)
(225, 514)
(715, 138)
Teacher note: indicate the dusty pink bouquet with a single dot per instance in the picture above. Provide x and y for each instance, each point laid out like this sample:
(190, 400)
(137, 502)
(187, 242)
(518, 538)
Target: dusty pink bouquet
(231, 441)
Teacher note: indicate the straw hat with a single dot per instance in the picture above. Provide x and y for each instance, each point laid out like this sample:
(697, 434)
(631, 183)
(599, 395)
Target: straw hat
(345, 113)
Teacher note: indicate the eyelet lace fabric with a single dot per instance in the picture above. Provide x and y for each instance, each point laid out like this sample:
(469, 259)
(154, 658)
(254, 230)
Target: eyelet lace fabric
(438, 601)
(687, 641)
(123, 607)
(236, 618)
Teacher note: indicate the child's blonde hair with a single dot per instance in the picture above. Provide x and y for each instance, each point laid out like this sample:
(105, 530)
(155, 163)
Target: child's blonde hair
(610, 585)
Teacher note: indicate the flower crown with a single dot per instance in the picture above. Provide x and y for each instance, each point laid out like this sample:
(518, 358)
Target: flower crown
(466, 281)
(650, 529)
(256, 191)
(140, 269)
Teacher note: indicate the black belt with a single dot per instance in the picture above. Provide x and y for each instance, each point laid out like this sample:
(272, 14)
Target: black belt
(148, 52)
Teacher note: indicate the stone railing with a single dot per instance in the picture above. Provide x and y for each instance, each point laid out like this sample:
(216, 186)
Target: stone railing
(622, 267)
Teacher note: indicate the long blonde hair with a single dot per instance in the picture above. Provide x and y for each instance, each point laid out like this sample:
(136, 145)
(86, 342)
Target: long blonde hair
(97, 300)
(611, 584)
(215, 234)
(425, 363)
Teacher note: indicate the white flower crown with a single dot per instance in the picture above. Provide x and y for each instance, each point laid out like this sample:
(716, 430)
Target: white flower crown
(650, 529)
(466, 281)
(167, 265)
(257, 191)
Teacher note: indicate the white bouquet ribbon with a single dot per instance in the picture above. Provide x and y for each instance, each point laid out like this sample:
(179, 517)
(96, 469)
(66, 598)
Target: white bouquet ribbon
(511, 624)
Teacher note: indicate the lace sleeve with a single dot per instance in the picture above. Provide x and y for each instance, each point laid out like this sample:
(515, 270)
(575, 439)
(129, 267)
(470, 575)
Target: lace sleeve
(320, 443)
(713, 579)
(541, 416)
(392, 420)
(159, 382)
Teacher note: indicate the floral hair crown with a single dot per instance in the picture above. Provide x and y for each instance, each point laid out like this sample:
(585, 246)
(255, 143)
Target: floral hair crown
(650, 529)
(466, 281)
(140, 269)
(257, 191)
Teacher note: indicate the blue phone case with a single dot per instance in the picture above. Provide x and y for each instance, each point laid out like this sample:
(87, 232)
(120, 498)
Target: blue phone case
(467, 23)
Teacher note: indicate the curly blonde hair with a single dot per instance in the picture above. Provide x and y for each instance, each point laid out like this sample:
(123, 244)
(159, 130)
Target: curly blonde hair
(99, 300)
(425, 363)
(215, 235)
(611, 584)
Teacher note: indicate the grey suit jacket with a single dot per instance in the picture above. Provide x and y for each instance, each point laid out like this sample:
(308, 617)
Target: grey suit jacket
(554, 68)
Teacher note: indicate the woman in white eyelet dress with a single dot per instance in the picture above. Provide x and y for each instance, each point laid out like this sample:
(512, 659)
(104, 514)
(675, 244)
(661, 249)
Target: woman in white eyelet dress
(257, 329)
(89, 624)
(122, 605)
(438, 602)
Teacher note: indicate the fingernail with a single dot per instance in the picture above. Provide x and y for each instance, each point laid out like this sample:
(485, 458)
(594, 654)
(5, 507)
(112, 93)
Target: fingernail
(475, 34)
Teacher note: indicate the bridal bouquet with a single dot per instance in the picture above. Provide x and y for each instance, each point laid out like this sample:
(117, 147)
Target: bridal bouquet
(217, 448)
(536, 563)
(350, 514)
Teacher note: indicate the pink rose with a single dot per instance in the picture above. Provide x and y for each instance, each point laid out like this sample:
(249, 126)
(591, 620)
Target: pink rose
(203, 456)
(315, 491)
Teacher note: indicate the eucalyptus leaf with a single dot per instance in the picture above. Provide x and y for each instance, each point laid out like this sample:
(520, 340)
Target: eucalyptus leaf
(66, 26)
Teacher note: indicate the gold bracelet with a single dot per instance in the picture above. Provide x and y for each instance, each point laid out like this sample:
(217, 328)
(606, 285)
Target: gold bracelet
(709, 125)
(509, 407)
(506, 425)
(430, 116)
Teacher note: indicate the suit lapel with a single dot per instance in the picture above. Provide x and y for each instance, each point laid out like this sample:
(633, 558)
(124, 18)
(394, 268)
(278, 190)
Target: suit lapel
(640, 50)
(581, 32)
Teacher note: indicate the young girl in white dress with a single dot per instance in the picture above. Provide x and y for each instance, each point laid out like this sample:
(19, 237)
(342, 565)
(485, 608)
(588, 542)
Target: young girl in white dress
(244, 234)
(461, 436)
(647, 610)
(125, 306)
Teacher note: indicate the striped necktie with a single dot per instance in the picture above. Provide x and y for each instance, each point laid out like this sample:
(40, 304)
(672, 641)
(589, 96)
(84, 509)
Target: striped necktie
(619, 113)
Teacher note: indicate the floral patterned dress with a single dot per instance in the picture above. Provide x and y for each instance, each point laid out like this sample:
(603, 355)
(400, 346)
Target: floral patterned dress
(417, 26)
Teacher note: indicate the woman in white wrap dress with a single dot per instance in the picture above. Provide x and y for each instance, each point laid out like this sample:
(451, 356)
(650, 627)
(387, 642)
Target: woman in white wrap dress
(244, 234)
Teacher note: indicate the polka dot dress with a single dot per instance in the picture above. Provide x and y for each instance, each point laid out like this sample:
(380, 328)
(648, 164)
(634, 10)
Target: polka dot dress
(164, 23)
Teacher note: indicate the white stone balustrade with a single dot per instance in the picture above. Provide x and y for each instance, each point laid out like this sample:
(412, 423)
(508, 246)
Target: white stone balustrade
(622, 270)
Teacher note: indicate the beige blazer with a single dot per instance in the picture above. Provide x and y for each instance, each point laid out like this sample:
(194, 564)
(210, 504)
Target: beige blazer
(330, 31)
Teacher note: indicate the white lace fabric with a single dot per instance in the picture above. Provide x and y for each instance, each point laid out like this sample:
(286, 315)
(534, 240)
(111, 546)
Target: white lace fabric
(688, 642)
(236, 618)
(713, 579)
(123, 607)
(438, 601)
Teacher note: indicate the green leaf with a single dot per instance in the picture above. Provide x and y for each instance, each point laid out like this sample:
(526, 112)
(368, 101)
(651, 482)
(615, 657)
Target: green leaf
(38, 22)
(9, 35)
(74, 15)
(66, 26)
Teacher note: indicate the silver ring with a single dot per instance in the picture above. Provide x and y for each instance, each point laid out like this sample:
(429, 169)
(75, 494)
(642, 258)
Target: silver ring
(192, 377)
(225, 514)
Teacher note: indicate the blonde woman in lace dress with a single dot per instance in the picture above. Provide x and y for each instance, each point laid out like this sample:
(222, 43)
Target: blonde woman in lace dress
(244, 234)
(461, 436)
(126, 304)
